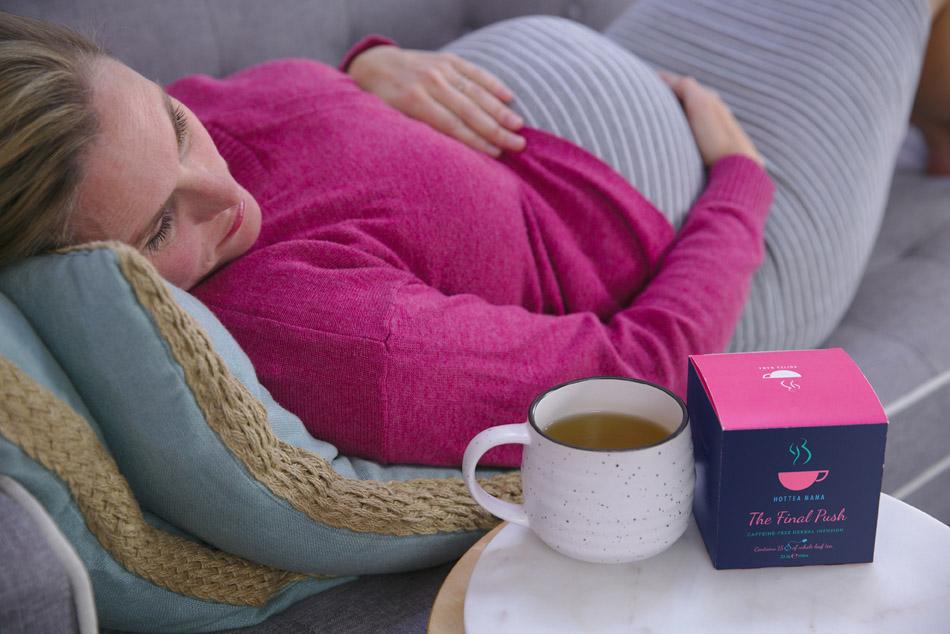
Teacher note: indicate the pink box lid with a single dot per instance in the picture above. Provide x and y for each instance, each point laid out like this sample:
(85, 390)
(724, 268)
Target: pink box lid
(788, 388)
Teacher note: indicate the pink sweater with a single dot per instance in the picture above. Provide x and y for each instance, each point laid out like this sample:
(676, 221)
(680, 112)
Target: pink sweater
(407, 292)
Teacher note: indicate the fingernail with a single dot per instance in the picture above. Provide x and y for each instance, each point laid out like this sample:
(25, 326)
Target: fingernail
(494, 151)
(517, 141)
(514, 121)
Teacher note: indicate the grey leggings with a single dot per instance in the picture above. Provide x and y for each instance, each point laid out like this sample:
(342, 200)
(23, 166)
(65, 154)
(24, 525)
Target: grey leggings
(822, 87)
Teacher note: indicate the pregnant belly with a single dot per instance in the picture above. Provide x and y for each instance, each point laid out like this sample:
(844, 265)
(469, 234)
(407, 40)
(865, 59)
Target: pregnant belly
(552, 229)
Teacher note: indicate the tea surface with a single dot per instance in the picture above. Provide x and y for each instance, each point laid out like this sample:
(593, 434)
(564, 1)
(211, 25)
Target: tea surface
(606, 430)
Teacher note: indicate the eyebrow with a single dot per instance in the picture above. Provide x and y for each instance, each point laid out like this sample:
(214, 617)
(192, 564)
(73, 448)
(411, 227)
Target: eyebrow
(144, 233)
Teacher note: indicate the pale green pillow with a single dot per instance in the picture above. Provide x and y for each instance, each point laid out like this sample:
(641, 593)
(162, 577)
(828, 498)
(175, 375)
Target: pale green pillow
(207, 453)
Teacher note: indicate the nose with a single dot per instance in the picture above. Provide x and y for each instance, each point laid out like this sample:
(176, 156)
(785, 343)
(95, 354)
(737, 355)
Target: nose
(210, 193)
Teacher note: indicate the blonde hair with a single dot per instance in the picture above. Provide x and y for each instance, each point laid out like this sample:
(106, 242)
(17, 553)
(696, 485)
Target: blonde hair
(46, 122)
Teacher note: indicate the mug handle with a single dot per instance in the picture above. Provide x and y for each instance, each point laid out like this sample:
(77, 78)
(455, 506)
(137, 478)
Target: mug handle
(516, 433)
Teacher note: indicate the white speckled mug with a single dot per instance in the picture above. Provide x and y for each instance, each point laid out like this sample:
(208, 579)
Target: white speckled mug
(597, 505)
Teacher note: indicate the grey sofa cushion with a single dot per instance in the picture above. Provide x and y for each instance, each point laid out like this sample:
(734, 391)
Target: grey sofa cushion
(172, 38)
(897, 321)
(35, 596)
(400, 605)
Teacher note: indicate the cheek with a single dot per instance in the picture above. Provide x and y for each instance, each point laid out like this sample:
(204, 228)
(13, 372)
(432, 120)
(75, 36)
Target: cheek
(183, 262)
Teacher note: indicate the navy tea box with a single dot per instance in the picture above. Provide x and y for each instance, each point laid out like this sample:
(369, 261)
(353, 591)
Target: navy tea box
(789, 450)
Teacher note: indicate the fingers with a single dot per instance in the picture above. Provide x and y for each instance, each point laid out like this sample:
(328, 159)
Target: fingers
(668, 77)
(715, 129)
(481, 112)
(481, 76)
(673, 81)
(456, 97)
(685, 87)
(466, 102)
(442, 118)
(488, 101)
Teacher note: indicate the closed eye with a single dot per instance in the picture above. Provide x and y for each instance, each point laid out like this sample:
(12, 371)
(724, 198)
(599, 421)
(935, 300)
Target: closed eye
(180, 120)
(155, 243)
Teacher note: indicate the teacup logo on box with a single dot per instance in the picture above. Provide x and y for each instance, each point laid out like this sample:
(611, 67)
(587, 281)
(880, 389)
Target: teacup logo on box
(787, 378)
(801, 480)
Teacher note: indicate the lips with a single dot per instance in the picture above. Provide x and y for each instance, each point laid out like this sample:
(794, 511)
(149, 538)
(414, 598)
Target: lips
(237, 222)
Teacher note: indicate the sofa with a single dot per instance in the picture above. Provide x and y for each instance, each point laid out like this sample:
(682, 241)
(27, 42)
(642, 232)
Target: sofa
(895, 327)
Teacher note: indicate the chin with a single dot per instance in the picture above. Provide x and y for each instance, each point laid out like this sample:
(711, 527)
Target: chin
(239, 244)
(237, 250)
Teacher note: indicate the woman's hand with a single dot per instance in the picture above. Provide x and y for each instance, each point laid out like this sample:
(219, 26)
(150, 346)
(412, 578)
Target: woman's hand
(717, 132)
(444, 91)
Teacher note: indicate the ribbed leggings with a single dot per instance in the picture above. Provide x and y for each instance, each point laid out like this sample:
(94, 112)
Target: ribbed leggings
(823, 88)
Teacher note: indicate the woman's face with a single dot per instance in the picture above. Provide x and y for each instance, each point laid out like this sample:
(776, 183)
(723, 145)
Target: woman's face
(154, 179)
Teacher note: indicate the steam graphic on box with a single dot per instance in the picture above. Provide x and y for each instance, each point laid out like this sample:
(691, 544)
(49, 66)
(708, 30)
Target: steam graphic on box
(801, 480)
(789, 449)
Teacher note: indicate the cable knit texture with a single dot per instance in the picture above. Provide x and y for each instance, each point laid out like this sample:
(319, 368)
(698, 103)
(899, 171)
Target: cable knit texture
(407, 291)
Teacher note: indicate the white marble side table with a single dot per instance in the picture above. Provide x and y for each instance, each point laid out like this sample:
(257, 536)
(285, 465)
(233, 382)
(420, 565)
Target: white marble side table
(520, 585)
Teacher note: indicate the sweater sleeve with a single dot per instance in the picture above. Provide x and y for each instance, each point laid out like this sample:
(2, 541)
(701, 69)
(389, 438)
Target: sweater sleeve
(364, 44)
(386, 367)
(456, 365)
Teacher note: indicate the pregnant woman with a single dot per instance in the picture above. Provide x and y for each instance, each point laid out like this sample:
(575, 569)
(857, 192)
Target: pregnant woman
(551, 207)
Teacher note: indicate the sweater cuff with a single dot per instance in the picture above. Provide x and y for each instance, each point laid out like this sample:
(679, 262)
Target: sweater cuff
(739, 180)
(367, 42)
